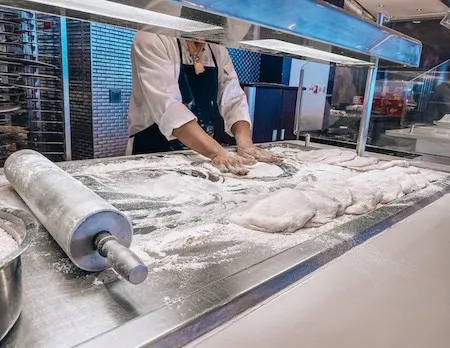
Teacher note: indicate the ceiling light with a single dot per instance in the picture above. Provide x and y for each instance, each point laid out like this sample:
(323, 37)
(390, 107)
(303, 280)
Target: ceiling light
(381, 5)
(419, 9)
(417, 22)
(129, 13)
(303, 51)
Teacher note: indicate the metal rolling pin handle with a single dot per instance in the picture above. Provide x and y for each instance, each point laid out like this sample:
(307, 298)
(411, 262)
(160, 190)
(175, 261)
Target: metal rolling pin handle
(120, 258)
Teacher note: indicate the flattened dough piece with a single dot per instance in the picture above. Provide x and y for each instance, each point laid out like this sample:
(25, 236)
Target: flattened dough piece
(326, 207)
(383, 165)
(359, 162)
(317, 155)
(365, 199)
(345, 156)
(283, 211)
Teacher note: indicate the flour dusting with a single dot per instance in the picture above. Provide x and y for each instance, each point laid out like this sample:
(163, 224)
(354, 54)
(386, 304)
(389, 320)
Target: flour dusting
(180, 206)
(7, 244)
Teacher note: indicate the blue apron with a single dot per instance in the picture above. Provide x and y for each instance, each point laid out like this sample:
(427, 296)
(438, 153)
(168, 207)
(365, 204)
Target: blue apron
(199, 93)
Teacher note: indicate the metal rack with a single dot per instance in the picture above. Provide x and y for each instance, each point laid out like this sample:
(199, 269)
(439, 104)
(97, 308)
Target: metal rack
(31, 95)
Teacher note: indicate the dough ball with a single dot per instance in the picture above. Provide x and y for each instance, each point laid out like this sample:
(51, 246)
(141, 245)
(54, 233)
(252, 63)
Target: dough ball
(283, 211)
(389, 187)
(402, 176)
(326, 207)
(365, 199)
(420, 180)
(334, 190)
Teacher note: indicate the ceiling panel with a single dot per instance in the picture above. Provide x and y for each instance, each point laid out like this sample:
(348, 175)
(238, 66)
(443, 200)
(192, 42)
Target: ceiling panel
(405, 9)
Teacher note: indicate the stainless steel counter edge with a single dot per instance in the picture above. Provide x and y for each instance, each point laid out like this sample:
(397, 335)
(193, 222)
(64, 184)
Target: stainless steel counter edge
(213, 305)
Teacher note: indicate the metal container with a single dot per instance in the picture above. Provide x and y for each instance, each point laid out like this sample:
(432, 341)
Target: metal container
(22, 227)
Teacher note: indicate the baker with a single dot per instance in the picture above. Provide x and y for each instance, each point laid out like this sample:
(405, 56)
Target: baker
(188, 93)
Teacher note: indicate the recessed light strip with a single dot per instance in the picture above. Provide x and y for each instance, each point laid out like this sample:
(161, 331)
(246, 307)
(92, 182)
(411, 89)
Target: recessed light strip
(303, 51)
(129, 13)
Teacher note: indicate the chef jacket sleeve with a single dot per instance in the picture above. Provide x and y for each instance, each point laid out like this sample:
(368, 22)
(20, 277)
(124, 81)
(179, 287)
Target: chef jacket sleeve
(156, 73)
(232, 100)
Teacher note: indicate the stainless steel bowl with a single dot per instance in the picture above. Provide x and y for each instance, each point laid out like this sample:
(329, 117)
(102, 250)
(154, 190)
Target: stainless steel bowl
(22, 227)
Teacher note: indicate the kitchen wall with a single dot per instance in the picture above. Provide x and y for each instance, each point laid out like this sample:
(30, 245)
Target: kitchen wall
(111, 88)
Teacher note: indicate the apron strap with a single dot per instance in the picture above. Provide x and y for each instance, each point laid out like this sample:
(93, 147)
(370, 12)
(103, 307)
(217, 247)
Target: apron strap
(213, 57)
(180, 51)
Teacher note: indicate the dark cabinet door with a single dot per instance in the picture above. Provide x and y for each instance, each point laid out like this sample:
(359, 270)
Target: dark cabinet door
(288, 114)
(267, 114)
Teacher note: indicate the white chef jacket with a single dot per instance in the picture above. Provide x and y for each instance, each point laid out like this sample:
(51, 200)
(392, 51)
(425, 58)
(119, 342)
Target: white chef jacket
(156, 97)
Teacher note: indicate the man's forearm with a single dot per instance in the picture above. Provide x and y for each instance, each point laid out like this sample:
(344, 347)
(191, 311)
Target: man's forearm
(195, 138)
(242, 133)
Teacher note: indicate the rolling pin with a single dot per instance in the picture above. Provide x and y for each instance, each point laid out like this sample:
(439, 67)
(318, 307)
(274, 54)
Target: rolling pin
(92, 233)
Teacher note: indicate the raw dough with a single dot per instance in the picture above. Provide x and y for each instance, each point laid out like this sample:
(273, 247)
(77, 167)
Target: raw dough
(264, 170)
(389, 187)
(383, 165)
(345, 156)
(334, 190)
(420, 180)
(365, 199)
(326, 207)
(405, 179)
(359, 162)
(317, 155)
(284, 211)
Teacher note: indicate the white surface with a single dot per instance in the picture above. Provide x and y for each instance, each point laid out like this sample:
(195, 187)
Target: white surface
(393, 291)
(313, 105)
(444, 122)
(429, 140)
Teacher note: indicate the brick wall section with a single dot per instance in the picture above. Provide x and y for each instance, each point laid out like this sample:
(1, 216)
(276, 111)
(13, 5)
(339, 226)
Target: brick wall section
(80, 91)
(111, 70)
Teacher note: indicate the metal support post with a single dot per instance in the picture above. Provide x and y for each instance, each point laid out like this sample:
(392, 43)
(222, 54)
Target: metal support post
(368, 102)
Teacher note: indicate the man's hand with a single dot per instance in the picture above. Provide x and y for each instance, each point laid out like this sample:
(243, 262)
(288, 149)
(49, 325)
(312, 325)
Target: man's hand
(230, 163)
(247, 149)
(260, 155)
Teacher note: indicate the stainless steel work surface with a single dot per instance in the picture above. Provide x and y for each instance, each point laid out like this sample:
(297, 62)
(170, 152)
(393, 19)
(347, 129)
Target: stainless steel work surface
(203, 270)
(393, 291)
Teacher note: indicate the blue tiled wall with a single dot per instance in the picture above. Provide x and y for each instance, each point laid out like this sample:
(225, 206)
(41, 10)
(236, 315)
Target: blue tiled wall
(247, 64)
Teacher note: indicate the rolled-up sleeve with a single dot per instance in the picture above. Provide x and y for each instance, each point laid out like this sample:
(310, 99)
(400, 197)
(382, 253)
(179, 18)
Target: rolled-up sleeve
(158, 84)
(232, 100)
